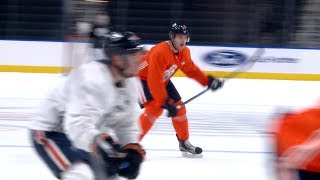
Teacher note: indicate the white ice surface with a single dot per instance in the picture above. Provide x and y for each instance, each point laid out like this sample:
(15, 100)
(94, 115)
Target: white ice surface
(230, 125)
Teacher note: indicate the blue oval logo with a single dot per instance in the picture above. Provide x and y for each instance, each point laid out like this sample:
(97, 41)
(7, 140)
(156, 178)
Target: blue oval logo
(225, 58)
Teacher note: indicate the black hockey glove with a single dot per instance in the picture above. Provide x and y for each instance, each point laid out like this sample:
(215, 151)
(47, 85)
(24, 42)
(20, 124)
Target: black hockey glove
(108, 153)
(130, 165)
(214, 83)
(172, 109)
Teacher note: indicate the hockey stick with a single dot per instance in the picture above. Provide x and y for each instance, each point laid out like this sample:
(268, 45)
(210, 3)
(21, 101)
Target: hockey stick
(246, 66)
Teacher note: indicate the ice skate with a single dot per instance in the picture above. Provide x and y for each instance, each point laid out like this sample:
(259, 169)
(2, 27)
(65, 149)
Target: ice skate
(188, 150)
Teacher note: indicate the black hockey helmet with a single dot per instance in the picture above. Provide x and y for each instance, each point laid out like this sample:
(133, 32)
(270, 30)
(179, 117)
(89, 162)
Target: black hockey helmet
(122, 43)
(179, 29)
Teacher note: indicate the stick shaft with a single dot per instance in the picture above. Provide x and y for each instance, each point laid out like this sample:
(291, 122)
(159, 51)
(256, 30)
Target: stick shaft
(249, 63)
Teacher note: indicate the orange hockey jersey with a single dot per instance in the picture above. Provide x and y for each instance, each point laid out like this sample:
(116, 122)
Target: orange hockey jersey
(161, 63)
(296, 128)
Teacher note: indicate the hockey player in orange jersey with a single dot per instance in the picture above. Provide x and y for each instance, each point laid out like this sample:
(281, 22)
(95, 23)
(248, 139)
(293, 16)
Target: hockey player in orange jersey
(297, 145)
(158, 92)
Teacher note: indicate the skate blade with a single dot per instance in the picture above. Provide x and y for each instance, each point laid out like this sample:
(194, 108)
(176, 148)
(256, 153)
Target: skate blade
(189, 155)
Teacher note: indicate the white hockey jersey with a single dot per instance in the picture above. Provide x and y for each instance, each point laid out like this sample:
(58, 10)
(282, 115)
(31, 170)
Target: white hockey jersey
(89, 103)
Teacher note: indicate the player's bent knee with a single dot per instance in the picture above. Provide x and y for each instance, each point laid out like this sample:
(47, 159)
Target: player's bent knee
(154, 111)
(78, 171)
(182, 111)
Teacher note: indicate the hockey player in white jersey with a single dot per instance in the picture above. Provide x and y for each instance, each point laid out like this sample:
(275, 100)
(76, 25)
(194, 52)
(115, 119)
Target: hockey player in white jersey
(86, 129)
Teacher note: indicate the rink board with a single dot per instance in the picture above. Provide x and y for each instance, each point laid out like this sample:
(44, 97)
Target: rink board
(276, 63)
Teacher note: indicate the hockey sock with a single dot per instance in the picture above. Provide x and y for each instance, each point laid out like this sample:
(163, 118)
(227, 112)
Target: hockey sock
(181, 127)
(146, 121)
(180, 123)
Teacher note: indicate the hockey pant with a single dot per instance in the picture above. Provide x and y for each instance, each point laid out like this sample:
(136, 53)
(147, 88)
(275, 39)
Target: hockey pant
(64, 160)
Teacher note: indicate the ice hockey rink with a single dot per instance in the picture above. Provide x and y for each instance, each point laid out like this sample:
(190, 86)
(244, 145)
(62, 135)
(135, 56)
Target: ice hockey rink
(230, 125)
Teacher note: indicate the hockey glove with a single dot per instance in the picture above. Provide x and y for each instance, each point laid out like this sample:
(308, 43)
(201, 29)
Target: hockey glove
(108, 153)
(130, 165)
(172, 109)
(214, 83)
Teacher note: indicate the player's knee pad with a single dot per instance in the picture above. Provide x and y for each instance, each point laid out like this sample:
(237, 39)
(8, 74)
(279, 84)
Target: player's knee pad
(78, 171)
(182, 111)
